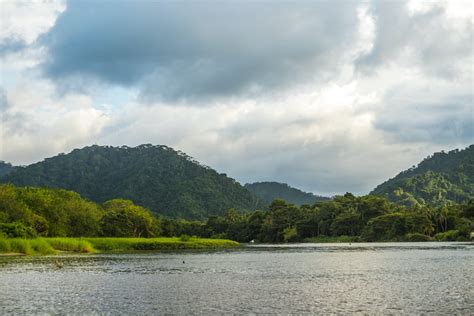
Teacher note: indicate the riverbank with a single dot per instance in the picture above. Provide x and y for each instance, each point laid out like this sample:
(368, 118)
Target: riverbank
(331, 239)
(49, 246)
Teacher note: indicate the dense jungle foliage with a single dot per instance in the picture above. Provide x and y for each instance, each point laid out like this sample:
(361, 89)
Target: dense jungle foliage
(40, 212)
(156, 177)
(365, 218)
(270, 191)
(440, 179)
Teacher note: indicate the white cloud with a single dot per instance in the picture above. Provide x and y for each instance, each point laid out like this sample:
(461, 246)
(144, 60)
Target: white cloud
(25, 20)
(38, 124)
(401, 88)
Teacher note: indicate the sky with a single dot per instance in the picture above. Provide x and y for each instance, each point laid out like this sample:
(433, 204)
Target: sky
(327, 96)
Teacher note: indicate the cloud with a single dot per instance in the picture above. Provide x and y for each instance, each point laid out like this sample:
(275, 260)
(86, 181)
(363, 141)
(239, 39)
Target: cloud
(445, 121)
(324, 144)
(3, 100)
(23, 21)
(329, 98)
(11, 45)
(36, 124)
(194, 50)
(433, 36)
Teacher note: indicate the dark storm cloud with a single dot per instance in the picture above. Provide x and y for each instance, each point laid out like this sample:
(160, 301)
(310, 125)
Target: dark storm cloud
(174, 50)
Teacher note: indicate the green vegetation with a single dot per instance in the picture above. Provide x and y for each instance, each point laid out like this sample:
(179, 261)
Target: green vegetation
(162, 243)
(166, 181)
(441, 179)
(71, 244)
(5, 168)
(345, 218)
(27, 213)
(40, 212)
(270, 191)
(47, 246)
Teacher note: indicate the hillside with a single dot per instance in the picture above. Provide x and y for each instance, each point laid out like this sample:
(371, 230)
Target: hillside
(166, 181)
(269, 191)
(442, 178)
(5, 168)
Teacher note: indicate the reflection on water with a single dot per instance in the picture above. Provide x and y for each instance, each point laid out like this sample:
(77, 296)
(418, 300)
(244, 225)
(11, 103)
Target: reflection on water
(298, 278)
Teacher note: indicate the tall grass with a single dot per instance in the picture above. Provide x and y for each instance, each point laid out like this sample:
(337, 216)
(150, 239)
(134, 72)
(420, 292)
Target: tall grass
(20, 246)
(162, 243)
(71, 244)
(41, 246)
(4, 245)
(46, 246)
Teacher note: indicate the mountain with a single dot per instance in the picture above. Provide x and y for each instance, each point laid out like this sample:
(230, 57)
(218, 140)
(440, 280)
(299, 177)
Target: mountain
(440, 179)
(269, 191)
(157, 177)
(5, 168)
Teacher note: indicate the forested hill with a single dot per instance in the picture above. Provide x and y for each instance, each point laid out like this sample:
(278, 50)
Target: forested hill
(269, 191)
(5, 168)
(439, 179)
(166, 181)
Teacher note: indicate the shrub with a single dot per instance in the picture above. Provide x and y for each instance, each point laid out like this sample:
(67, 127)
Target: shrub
(17, 230)
(450, 235)
(416, 237)
(290, 234)
(220, 236)
(184, 237)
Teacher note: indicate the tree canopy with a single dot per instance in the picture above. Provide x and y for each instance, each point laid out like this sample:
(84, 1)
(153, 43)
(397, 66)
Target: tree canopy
(440, 179)
(166, 181)
(270, 191)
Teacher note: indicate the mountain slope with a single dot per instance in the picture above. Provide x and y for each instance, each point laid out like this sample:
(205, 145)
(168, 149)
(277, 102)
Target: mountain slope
(157, 177)
(442, 178)
(5, 168)
(269, 191)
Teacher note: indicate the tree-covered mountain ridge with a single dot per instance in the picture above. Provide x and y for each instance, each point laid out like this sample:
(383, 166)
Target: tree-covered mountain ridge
(440, 179)
(270, 191)
(5, 168)
(157, 177)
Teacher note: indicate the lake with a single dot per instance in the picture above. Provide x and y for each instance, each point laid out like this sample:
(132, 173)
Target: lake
(390, 278)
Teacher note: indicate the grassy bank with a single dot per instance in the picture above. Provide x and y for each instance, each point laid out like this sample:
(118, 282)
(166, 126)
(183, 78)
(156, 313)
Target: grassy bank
(47, 246)
(162, 243)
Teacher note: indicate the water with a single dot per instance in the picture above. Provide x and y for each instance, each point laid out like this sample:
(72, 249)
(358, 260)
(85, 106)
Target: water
(390, 278)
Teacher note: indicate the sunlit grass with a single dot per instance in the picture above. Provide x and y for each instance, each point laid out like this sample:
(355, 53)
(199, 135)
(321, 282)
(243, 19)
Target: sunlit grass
(71, 244)
(19, 246)
(47, 246)
(162, 243)
(42, 247)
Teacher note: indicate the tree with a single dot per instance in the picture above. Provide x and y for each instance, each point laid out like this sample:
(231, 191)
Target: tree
(124, 219)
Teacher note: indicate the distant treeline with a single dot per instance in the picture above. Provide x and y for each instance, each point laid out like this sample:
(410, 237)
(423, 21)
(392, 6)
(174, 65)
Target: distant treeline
(348, 218)
(33, 212)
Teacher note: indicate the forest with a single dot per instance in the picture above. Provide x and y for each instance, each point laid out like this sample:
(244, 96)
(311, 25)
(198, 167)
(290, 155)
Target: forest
(270, 191)
(28, 212)
(162, 179)
(171, 183)
(440, 179)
